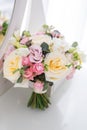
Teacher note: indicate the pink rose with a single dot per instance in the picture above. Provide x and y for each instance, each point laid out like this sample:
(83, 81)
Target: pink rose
(38, 87)
(70, 76)
(56, 33)
(35, 54)
(9, 50)
(28, 74)
(24, 40)
(38, 68)
(26, 61)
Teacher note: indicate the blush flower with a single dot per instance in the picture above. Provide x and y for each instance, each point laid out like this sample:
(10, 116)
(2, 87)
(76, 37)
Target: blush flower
(35, 54)
(26, 61)
(28, 74)
(24, 40)
(38, 86)
(70, 75)
(38, 68)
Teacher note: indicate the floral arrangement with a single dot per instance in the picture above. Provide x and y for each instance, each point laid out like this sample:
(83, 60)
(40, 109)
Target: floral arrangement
(38, 61)
(3, 26)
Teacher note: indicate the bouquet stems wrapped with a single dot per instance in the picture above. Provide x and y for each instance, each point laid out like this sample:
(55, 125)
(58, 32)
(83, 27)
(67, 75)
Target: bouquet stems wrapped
(40, 101)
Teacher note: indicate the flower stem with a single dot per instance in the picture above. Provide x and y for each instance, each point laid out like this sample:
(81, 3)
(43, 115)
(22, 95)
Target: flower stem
(39, 101)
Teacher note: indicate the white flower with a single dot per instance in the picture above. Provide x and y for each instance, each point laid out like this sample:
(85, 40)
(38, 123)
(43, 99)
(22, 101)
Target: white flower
(60, 45)
(83, 56)
(56, 63)
(14, 62)
(39, 39)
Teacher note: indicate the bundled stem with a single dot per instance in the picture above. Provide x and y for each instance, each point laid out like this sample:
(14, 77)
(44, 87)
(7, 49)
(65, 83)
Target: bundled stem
(40, 101)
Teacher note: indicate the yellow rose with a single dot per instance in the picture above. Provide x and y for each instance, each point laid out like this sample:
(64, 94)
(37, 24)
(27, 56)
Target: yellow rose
(14, 62)
(56, 63)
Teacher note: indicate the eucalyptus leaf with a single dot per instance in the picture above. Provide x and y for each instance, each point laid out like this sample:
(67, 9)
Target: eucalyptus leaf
(75, 44)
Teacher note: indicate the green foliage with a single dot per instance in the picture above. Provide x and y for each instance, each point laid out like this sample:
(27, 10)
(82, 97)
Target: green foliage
(69, 65)
(20, 79)
(26, 33)
(4, 27)
(47, 28)
(40, 77)
(39, 101)
(46, 67)
(75, 56)
(45, 48)
(75, 44)
(78, 67)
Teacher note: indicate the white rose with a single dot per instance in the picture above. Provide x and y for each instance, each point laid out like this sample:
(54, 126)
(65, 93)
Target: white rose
(14, 62)
(83, 56)
(60, 45)
(57, 69)
(39, 39)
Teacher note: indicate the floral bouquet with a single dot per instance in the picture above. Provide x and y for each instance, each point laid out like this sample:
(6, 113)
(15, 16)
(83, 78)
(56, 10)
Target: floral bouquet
(3, 26)
(38, 61)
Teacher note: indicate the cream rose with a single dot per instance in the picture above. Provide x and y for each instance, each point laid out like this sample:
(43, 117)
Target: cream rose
(39, 39)
(60, 45)
(56, 63)
(14, 62)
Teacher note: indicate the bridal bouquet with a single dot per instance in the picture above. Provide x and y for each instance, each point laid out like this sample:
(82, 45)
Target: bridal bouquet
(38, 61)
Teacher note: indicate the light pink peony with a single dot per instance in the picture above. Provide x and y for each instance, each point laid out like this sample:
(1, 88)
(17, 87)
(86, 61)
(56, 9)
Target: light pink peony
(38, 87)
(35, 54)
(38, 68)
(26, 61)
(28, 74)
(70, 76)
(24, 40)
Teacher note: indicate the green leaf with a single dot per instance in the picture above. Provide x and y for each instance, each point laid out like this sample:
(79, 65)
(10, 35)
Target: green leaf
(40, 77)
(26, 33)
(45, 26)
(46, 67)
(75, 44)
(69, 65)
(5, 26)
(45, 48)
(21, 71)
(20, 79)
(78, 67)
(76, 56)
(71, 50)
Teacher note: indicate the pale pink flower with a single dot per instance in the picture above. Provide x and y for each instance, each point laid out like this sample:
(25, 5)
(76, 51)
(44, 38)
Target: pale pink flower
(26, 61)
(38, 68)
(56, 34)
(9, 50)
(40, 33)
(70, 76)
(28, 74)
(38, 87)
(24, 40)
(35, 54)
